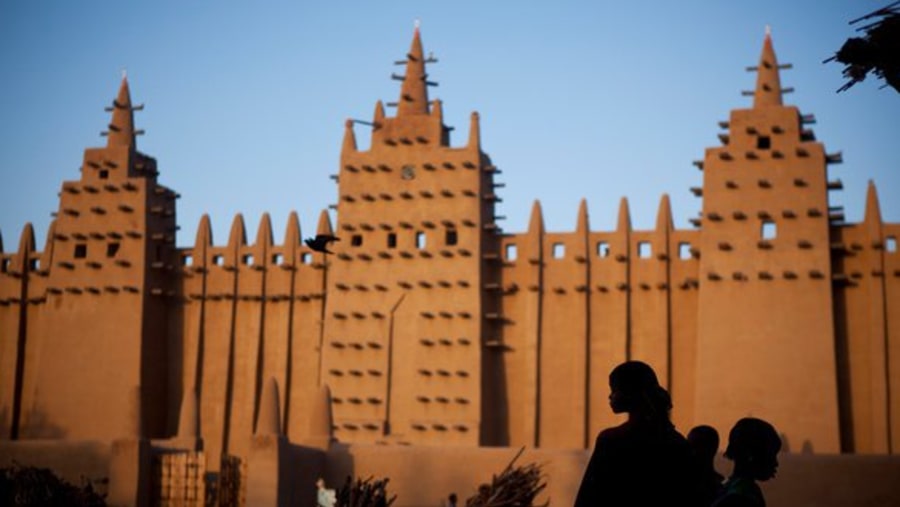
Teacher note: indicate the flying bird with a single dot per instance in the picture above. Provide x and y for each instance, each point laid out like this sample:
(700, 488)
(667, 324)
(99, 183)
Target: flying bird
(320, 242)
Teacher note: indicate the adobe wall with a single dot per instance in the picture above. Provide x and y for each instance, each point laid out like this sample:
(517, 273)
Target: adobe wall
(821, 480)
(249, 313)
(576, 305)
(867, 326)
(448, 469)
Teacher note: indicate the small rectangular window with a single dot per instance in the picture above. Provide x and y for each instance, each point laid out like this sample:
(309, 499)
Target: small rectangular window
(4, 265)
(104, 174)
(511, 252)
(684, 251)
(603, 249)
(306, 258)
(392, 240)
(356, 240)
(420, 240)
(34, 264)
(81, 250)
(187, 260)
(645, 249)
(247, 260)
(890, 244)
(763, 143)
(277, 259)
(768, 230)
(218, 260)
(451, 237)
(112, 249)
(559, 250)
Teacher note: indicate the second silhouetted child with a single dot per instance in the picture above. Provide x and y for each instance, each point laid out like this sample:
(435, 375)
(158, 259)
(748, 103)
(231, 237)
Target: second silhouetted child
(753, 445)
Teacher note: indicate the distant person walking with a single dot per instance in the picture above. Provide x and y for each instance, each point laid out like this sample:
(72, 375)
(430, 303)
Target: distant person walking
(325, 497)
(753, 445)
(704, 443)
(644, 461)
(451, 501)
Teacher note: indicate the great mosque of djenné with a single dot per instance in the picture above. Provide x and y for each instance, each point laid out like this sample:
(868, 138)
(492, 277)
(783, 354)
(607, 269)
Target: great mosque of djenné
(429, 325)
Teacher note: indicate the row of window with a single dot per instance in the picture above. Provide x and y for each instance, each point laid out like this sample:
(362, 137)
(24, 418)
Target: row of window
(768, 231)
(81, 250)
(247, 259)
(602, 250)
(451, 238)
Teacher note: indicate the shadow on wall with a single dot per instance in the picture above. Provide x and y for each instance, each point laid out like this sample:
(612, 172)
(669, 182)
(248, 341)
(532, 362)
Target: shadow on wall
(36, 424)
(301, 467)
(805, 448)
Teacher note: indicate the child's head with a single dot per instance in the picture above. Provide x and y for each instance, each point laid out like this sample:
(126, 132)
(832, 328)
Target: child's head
(753, 445)
(704, 442)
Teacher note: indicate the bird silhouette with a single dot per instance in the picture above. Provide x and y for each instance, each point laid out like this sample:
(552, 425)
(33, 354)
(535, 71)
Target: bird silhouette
(320, 242)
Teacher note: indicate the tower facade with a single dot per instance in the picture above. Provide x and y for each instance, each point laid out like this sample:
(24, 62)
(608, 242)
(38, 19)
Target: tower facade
(766, 318)
(83, 342)
(407, 316)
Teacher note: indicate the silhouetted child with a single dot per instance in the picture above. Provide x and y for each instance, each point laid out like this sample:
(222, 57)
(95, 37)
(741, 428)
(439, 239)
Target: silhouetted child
(643, 461)
(753, 445)
(704, 443)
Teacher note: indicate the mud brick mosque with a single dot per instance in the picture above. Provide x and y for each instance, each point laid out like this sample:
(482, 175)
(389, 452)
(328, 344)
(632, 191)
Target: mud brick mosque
(430, 336)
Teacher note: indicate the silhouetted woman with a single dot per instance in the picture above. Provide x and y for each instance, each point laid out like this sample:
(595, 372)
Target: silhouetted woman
(643, 461)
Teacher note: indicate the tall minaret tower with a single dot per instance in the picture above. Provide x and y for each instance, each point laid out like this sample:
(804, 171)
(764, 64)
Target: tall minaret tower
(95, 358)
(766, 328)
(407, 316)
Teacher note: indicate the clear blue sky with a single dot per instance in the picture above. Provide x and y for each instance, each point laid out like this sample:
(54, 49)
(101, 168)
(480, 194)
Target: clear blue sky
(246, 101)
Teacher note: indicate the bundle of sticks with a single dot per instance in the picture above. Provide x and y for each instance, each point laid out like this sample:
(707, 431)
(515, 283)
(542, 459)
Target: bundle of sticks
(876, 51)
(516, 486)
(364, 493)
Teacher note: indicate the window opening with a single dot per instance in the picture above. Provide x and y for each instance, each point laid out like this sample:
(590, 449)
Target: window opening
(645, 249)
(763, 142)
(392, 240)
(684, 251)
(187, 260)
(112, 249)
(356, 240)
(306, 258)
(512, 252)
(420, 240)
(34, 264)
(247, 260)
(104, 174)
(890, 244)
(451, 237)
(277, 259)
(218, 260)
(4, 265)
(80, 250)
(559, 250)
(769, 230)
(603, 249)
